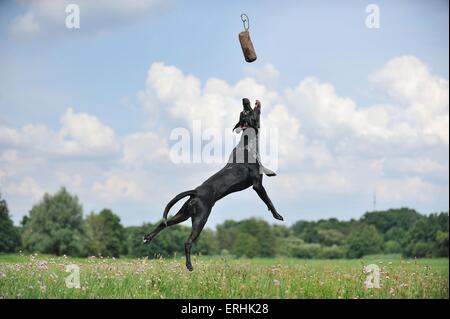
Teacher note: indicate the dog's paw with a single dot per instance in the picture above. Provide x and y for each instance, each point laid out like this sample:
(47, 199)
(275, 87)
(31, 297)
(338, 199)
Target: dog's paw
(189, 267)
(278, 216)
(147, 239)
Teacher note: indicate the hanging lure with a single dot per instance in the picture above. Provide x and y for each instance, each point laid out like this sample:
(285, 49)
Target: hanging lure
(246, 42)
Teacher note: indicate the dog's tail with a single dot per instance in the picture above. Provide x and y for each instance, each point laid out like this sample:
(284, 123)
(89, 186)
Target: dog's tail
(176, 199)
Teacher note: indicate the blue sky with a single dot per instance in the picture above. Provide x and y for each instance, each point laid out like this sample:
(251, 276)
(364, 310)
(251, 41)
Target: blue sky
(314, 58)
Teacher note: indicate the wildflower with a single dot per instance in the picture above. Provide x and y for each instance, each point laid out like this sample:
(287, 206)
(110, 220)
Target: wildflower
(276, 283)
(42, 264)
(392, 291)
(43, 289)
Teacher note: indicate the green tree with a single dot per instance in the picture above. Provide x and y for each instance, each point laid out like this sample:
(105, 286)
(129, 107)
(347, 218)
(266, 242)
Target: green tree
(245, 245)
(364, 241)
(392, 247)
(330, 237)
(55, 225)
(442, 243)
(105, 234)
(226, 234)
(298, 228)
(168, 243)
(289, 245)
(9, 234)
(403, 218)
(307, 250)
(206, 244)
(332, 252)
(425, 238)
(262, 232)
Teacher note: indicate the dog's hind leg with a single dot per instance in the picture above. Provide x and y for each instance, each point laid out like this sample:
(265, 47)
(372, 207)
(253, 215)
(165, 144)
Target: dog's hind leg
(179, 217)
(199, 218)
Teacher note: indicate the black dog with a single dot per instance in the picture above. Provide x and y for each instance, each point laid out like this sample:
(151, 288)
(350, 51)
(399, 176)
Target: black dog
(242, 171)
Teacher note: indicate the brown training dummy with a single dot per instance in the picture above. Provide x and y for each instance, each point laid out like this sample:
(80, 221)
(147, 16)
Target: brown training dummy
(246, 42)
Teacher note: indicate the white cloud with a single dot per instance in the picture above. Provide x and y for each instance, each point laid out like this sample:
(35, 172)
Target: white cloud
(417, 117)
(267, 74)
(291, 143)
(81, 134)
(141, 148)
(174, 98)
(328, 143)
(25, 25)
(408, 189)
(418, 165)
(117, 188)
(329, 182)
(321, 131)
(170, 94)
(70, 180)
(424, 96)
(27, 187)
(12, 163)
(410, 81)
(48, 16)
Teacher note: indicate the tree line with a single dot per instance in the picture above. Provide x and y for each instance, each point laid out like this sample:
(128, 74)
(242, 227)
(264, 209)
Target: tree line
(55, 225)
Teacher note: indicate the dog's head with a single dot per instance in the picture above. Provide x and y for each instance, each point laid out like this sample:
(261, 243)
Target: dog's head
(248, 117)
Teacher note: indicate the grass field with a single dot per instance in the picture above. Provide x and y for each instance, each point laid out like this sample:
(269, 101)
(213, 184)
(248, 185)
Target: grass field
(37, 276)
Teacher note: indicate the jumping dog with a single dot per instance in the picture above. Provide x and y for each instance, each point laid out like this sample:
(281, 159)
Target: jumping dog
(243, 170)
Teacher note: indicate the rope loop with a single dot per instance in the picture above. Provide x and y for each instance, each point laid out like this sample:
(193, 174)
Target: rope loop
(245, 21)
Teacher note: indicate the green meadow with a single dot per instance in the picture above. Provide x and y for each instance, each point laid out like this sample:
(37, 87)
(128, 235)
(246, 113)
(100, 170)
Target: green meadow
(44, 276)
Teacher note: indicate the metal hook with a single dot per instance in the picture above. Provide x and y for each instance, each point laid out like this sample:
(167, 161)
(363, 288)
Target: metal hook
(245, 19)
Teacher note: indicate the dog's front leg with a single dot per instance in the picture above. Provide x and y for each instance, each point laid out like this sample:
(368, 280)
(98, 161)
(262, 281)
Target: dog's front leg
(261, 191)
